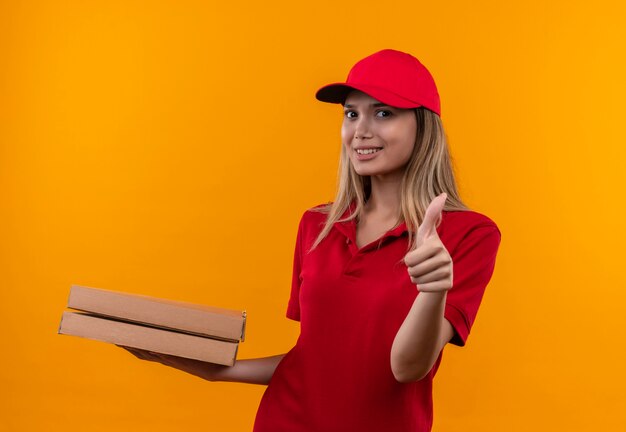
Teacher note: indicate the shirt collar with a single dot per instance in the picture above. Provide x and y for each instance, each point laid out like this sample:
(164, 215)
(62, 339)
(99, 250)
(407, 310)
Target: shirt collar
(348, 228)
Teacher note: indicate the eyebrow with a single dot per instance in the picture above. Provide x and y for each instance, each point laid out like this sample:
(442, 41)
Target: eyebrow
(377, 104)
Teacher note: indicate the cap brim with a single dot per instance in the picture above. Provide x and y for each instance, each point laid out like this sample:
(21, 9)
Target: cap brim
(337, 93)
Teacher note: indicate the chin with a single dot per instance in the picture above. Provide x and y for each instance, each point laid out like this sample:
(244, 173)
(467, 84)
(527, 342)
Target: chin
(362, 170)
(367, 172)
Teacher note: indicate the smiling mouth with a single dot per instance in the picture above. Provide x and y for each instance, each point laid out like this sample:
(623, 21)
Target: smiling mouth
(368, 151)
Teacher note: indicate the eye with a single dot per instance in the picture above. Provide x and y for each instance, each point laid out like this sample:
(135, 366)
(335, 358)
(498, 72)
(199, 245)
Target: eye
(387, 112)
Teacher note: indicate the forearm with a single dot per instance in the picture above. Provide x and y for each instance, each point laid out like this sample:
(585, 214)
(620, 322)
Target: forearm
(251, 371)
(417, 343)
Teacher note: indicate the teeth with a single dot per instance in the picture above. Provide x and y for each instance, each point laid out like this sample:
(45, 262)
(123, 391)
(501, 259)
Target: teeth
(367, 151)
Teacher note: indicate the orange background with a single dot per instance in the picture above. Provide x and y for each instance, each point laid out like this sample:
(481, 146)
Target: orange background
(169, 149)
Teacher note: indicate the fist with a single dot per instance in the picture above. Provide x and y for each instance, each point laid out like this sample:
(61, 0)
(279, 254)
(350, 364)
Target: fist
(429, 265)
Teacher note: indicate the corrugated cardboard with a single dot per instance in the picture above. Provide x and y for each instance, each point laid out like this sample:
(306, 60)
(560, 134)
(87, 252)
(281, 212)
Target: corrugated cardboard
(192, 318)
(148, 338)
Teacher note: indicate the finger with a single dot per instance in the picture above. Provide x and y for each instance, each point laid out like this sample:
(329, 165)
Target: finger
(432, 217)
(438, 286)
(126, 348)
(136, 354)
(440, 274)
(431, 264)
(426, 250)
(139, 353)
(417, 256)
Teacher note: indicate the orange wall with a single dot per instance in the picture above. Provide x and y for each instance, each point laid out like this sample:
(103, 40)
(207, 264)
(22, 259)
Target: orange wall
(169, 149)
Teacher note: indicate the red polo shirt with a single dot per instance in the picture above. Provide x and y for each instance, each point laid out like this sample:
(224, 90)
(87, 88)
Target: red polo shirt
(350, 303)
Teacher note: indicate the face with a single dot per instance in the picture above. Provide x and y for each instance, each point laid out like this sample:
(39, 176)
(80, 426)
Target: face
(388, 132)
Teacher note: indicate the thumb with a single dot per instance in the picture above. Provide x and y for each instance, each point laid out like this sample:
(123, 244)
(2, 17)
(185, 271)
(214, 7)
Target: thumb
(431, 218)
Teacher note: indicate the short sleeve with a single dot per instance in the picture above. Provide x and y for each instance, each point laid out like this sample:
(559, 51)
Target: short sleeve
(293, 307)
(473, 262)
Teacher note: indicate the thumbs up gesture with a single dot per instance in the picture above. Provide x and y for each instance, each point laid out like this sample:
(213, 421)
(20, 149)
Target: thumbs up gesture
(429, 264)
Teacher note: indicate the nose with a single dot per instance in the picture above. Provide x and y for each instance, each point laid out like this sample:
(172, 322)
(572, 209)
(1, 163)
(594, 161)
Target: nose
(362, 129)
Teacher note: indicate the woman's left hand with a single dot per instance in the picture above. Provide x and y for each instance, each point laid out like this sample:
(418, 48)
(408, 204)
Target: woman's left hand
(429, 264)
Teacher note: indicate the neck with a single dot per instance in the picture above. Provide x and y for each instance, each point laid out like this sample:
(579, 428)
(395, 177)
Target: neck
(384, 200)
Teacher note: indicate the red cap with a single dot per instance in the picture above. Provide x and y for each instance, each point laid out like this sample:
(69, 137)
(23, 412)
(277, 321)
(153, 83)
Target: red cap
(393, 77)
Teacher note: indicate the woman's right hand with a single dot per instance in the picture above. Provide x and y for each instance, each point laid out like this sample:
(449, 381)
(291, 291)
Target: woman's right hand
(252, 371)
(206, 370)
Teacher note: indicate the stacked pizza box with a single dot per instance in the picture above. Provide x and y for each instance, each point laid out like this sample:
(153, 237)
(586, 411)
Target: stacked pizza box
(165, 326)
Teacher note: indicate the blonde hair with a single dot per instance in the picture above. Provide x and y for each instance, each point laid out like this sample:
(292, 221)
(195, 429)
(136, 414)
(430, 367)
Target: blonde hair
(428, 173)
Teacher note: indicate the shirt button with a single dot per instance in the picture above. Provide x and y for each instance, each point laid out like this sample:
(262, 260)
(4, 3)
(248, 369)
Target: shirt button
(347, 240)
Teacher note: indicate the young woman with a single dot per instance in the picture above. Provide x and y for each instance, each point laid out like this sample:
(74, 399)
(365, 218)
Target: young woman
(384, 277)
